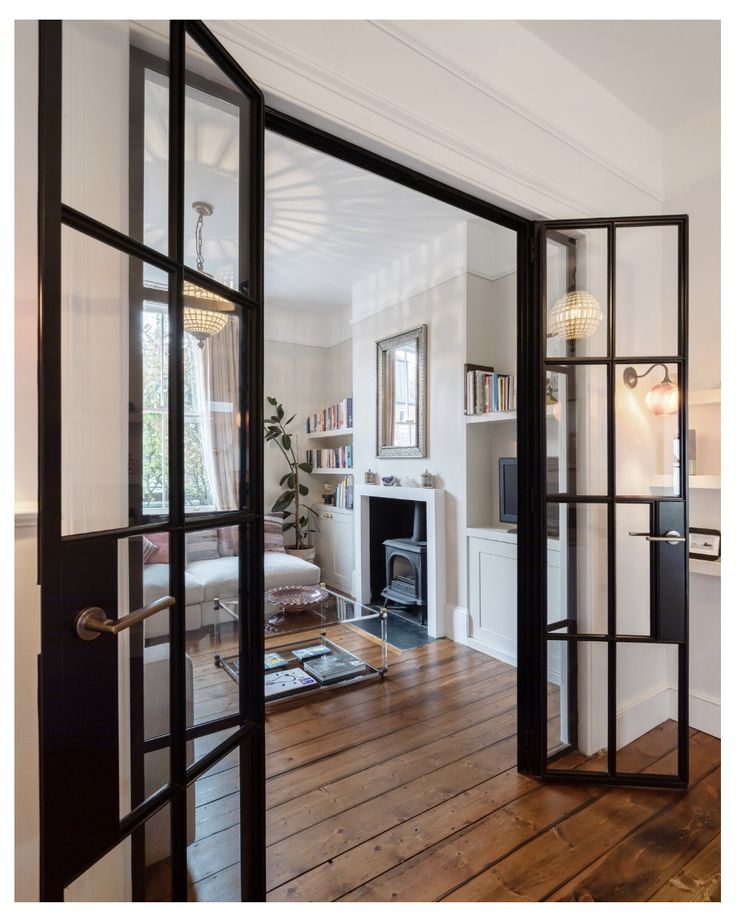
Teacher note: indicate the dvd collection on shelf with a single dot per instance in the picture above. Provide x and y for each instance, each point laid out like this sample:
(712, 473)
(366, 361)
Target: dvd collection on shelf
(333, 458)
(334, 418)
(488, 391)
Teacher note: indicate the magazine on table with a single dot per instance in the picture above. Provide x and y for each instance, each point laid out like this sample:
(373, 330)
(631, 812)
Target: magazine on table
(314, 650)
(332, 667)
(274, 661)
(282, 682)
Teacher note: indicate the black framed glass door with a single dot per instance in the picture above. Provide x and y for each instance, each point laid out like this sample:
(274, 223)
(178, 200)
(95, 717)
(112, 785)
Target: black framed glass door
(603, 618)
(151, 292)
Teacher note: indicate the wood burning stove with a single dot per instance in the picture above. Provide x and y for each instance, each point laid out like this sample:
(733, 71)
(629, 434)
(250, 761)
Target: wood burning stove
(406, 567)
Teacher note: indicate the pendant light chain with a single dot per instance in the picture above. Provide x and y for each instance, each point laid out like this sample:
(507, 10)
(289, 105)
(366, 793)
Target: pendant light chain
(198, 241)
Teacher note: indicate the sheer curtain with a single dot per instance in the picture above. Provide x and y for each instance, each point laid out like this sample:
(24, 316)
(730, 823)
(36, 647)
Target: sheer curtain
(217, 394)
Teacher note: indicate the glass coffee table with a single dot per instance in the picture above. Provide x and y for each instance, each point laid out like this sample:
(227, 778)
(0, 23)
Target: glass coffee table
(302, 654)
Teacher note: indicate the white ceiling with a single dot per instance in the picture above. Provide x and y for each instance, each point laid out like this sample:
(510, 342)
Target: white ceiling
(330, 224)
(666, 71)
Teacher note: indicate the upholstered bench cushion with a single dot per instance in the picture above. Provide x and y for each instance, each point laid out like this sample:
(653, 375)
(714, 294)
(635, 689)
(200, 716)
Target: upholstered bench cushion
(281, 569)
(156, 584)
(218, 577)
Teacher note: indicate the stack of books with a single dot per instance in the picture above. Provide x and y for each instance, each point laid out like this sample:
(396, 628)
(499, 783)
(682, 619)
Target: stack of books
(337, 458)
(344, 494)
(488, 391)
(335, 418)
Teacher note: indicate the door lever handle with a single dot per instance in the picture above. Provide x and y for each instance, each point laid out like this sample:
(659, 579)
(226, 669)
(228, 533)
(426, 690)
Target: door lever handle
(671, 536)
(92, 621)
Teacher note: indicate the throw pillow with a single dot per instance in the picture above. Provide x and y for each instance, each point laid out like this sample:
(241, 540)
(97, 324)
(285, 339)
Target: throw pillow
(161, 542)
(149, 550)
(273, 533)
(202, 546)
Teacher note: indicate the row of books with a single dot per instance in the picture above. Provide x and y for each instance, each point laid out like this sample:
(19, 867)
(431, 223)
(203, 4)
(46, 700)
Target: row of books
(334, 418)
(344, 494)
(333, 458)
(489, 392)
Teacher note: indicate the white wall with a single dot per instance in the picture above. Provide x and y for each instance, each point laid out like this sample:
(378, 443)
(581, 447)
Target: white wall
(306, 379)
(27, 618)
(692, 174)
(442, 309)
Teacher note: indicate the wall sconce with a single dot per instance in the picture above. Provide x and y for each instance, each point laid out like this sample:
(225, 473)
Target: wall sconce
(663, 398)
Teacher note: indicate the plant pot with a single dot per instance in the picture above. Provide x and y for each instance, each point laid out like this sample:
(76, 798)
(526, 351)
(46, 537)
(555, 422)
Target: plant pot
(307, 553)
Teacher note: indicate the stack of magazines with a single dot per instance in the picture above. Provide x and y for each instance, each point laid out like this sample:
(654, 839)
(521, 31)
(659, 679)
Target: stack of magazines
(336, 666)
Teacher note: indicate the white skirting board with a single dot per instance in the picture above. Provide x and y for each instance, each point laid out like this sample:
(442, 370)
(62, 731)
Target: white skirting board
(705, 714)
(633, 720)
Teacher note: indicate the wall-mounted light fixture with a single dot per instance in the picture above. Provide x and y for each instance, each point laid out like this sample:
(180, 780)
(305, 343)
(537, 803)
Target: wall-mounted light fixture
(663, 398)
(206, 320)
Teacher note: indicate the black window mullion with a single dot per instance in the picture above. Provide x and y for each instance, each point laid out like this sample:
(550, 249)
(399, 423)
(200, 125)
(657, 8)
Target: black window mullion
(251, 633)
(177, 551)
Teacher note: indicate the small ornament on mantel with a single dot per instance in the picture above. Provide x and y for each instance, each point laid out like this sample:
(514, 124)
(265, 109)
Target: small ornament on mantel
(427, 480)
(409, 483)
(370, 478)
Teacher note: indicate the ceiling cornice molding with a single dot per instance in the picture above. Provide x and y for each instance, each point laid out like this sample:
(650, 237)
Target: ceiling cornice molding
(690, 188)
(256, 43)
(501, 98)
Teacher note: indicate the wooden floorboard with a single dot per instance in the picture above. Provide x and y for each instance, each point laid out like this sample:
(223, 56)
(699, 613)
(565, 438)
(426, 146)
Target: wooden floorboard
(407, 790)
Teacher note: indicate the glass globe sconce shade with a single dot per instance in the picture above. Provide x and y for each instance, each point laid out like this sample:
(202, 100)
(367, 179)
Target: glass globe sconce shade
(664, 398)
(575, 316)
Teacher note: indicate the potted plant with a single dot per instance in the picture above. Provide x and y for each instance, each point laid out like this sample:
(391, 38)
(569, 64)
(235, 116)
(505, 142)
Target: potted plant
(297, 513)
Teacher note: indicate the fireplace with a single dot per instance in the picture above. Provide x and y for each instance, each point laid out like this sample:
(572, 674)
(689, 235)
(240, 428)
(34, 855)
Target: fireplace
(388, 513)
(406, 568)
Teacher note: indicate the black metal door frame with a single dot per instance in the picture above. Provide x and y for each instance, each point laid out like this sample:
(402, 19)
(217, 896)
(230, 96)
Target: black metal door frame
(531, 543)
(78, 774)
(668, 626)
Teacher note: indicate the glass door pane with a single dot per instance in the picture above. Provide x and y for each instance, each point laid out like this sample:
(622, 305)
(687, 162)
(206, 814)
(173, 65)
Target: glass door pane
(615, 626)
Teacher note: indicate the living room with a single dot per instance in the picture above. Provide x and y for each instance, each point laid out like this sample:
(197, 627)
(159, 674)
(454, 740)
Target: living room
(432, 444)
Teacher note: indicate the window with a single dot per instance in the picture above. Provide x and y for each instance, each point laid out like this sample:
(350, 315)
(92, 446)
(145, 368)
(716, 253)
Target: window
(155, 354)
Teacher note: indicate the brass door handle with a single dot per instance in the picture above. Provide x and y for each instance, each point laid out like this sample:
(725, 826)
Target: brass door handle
(671, 536)
(92, 621)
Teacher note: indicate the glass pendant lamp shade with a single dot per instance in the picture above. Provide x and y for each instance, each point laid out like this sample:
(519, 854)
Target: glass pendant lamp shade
(202, 323)
(663, 398)
(575, 316)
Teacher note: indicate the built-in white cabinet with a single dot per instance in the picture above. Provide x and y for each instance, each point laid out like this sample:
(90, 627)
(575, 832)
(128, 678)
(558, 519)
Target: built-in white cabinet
(336, 547)
(492, 591)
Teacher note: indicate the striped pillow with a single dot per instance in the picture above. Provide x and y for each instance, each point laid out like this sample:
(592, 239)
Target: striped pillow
(149, 550)
(273, 533)
(202, 546)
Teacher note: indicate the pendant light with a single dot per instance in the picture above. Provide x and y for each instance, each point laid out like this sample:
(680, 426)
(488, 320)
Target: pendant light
(575, 316)
(662, 399)
(202, 321)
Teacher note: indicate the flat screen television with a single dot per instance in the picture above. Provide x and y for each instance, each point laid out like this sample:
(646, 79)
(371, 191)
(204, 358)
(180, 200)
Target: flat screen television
(508, 493)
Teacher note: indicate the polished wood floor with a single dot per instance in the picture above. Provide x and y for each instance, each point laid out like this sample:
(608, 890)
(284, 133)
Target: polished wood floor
(406, 790)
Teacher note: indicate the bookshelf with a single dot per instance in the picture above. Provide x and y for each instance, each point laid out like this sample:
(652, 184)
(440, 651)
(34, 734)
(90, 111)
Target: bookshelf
(332, 471)
(335, 433)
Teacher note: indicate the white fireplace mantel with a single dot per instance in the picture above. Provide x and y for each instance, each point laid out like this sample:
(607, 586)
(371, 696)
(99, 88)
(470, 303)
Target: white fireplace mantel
(435, 501)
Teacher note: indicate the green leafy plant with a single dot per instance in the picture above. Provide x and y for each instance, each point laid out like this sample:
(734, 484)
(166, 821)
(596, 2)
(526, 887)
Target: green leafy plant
(298, 515)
